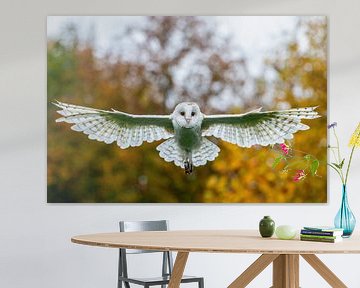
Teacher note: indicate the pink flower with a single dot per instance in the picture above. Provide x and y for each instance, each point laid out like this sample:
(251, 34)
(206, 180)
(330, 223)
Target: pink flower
(300, 175)
(284, 148)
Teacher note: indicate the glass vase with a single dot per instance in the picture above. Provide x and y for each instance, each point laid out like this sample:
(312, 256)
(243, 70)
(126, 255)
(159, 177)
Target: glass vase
(345, 219)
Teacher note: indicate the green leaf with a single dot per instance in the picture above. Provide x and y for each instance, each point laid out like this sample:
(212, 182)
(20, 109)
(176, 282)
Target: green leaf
(314, 166)
(336, 165)
(333, 167)
(342, 163)
(277, 161)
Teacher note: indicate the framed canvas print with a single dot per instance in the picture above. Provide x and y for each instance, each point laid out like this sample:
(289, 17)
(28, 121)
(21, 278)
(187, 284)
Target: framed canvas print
(187, 109)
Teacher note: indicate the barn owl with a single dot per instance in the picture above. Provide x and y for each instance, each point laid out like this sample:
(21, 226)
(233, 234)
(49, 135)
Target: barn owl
(185, 129)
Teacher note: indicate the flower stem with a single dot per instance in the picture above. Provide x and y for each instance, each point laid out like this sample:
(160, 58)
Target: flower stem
(337, 144)
(348, 166)
(339, 155)
(337, 171)
(333, 152)
(351, 155)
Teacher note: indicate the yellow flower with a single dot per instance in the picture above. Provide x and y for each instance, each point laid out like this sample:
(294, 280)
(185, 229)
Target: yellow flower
(355, 137)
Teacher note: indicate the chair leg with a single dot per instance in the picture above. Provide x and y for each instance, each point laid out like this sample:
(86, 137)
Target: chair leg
(119, 270)
(201, 283)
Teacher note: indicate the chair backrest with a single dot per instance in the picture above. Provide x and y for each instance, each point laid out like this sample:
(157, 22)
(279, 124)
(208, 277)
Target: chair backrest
(135, 226)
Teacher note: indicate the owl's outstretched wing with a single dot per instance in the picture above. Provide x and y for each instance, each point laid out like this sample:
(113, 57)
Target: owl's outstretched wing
(109, 126)
(255, 127)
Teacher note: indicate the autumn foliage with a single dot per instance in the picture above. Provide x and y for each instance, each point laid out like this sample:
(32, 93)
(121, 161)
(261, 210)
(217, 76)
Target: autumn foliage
(175, 59)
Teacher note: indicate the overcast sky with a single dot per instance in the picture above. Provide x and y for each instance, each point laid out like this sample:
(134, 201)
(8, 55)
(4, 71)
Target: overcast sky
(256, 36)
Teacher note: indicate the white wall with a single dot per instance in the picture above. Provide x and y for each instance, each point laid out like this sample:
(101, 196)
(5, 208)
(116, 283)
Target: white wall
(35, 248)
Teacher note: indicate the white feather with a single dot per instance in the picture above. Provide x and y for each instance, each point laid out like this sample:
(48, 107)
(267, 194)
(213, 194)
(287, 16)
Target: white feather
(258, 128)
(102, 125)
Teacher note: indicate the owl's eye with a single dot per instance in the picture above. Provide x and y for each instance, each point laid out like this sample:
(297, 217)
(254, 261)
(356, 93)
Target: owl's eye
(192, 113)
(182, 113)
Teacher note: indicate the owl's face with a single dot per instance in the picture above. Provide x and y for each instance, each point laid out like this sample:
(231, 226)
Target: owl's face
(187, 115)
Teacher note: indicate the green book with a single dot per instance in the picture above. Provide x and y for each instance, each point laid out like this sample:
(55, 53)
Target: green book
(321, 233)
(325, 240)
(323, 228)
(319, 236)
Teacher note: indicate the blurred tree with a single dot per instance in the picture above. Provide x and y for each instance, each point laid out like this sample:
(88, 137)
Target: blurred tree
(300, 80)
(185, 59)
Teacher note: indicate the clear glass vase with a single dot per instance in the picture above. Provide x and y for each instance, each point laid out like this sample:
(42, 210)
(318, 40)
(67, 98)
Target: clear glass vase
(345, 219)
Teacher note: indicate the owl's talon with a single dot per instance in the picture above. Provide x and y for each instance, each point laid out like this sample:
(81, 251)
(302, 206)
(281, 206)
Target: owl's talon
(188, 167)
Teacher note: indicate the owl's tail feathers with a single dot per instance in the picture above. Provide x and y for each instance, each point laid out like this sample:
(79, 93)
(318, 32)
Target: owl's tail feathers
(171, 152)
(208, 151)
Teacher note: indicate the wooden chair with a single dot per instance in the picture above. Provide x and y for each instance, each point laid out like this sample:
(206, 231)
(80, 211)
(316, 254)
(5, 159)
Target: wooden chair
(167, 262)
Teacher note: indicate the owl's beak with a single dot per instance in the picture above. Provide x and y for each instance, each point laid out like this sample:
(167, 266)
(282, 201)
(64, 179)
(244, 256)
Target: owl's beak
(188, 120)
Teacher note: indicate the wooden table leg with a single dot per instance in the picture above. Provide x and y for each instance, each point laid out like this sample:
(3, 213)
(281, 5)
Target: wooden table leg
(293, 262)
(253, 270)
(324, 271)
(286, 271)
(178, 270)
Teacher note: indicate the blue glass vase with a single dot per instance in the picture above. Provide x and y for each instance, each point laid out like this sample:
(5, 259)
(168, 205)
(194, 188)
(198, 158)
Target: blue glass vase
(345, 219)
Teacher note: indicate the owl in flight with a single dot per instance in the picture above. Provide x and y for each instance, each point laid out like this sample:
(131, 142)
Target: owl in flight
(186, 129)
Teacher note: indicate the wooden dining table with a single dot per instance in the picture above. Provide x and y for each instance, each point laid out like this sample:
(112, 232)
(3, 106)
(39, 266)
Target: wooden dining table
(283, 254)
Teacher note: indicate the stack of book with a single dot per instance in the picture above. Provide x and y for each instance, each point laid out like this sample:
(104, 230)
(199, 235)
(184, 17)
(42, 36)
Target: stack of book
(321, 234)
